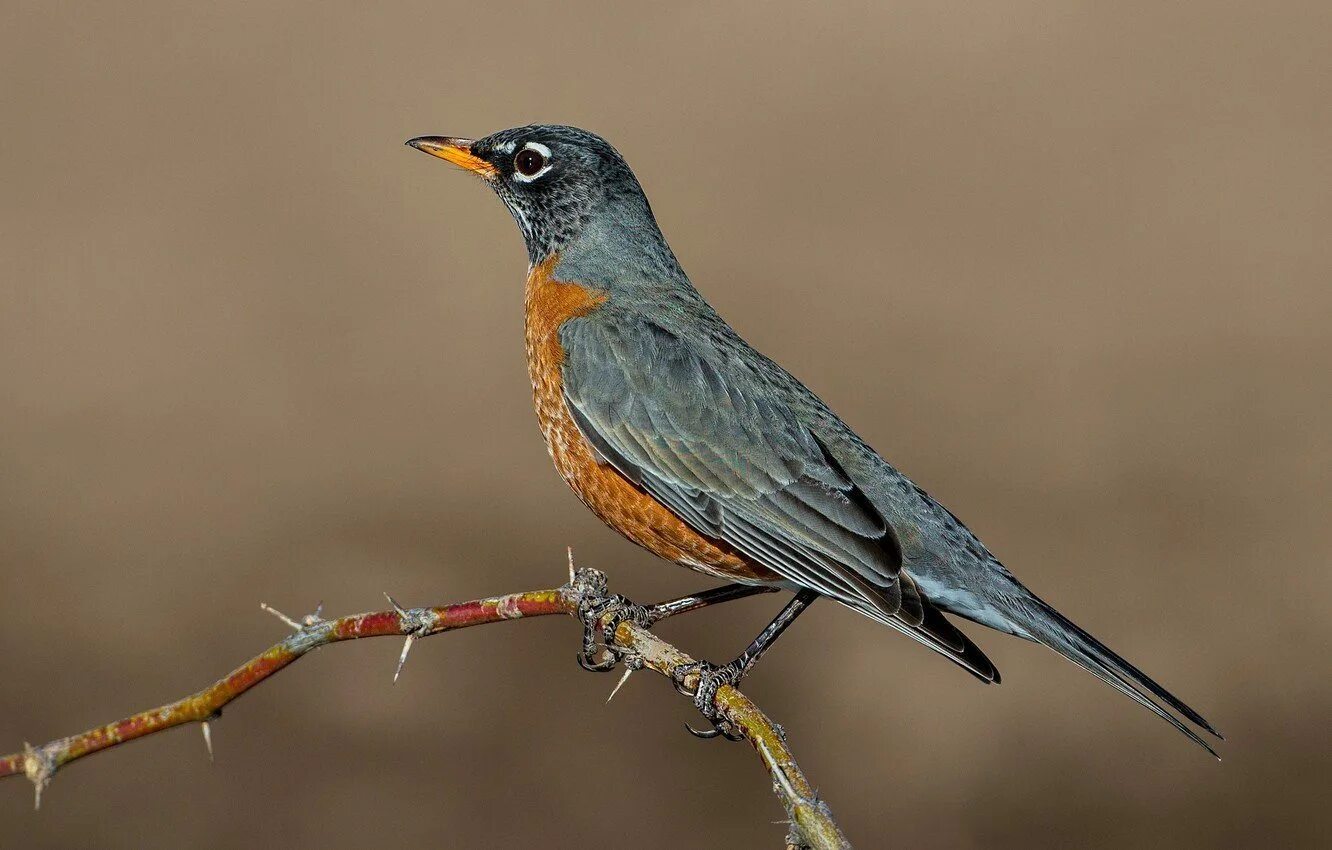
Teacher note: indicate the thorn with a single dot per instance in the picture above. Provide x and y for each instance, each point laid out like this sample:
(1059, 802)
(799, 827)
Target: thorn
(283, 617)
(39, 766)
(208, 739)
(571, 565)
(415, 623)
(620, 684)
(402, 659)
(317, 617)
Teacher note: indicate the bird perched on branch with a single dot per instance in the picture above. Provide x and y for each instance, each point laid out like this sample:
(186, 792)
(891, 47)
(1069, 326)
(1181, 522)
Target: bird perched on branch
(687, 441)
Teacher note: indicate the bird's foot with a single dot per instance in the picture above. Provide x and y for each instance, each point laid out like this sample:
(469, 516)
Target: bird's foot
(604, 614)
(710, 679)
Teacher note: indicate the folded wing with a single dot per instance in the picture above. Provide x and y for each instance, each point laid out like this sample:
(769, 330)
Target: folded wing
(716, 446)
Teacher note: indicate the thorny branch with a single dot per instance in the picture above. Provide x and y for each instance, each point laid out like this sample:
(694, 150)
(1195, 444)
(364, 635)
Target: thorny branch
(584, 597)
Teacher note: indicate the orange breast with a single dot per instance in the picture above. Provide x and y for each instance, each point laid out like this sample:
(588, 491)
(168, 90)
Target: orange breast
(549, 303)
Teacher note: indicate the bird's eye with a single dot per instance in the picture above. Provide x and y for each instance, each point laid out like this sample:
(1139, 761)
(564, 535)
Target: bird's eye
(528, 162)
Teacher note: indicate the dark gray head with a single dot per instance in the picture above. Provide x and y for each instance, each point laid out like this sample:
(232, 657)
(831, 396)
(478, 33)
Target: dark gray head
(568, 189)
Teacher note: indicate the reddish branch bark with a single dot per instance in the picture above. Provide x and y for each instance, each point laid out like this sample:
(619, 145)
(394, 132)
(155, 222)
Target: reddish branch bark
(812, 824)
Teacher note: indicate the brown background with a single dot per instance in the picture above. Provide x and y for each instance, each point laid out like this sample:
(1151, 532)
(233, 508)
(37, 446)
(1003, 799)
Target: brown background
(1067, 264)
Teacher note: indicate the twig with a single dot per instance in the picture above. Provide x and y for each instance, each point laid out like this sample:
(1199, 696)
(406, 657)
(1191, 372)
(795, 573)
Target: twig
(812, 822)
(809, 815)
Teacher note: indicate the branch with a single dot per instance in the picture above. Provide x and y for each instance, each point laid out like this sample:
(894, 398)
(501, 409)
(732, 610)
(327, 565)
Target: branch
(812, 824)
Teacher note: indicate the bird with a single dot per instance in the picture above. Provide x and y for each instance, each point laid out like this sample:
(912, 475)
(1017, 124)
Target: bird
(686, 440)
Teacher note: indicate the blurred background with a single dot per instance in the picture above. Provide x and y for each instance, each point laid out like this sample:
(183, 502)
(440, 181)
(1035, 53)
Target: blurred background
(1067, 264)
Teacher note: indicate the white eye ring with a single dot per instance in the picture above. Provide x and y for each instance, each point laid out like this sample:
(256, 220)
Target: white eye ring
(539, 148)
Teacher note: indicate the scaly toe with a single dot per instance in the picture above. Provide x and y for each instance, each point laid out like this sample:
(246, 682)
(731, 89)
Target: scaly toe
(710, 679)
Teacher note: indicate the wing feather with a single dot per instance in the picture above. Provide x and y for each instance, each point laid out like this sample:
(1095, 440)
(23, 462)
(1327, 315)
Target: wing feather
(718, 447)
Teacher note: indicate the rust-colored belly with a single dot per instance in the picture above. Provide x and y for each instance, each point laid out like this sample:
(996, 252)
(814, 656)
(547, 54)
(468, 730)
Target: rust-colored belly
(619, 503)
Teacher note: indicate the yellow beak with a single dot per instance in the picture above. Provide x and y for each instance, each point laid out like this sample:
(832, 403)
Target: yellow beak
(456, 151)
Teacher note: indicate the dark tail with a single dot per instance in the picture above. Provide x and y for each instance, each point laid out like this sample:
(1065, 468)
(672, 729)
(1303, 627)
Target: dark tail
(1070, 640)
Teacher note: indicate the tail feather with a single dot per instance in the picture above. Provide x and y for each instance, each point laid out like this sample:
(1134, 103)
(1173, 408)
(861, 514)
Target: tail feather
(1119, 683)
(1073, 642)
(1109, 657)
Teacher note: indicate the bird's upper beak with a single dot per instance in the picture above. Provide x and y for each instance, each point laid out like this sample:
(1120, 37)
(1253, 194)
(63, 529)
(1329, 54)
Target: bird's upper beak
(456, 151)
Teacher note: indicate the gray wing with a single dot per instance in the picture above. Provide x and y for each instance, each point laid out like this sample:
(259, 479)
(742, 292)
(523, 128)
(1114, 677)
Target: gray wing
(715, 443)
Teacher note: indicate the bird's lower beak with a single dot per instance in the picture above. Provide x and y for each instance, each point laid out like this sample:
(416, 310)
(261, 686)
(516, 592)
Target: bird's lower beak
(456, 151)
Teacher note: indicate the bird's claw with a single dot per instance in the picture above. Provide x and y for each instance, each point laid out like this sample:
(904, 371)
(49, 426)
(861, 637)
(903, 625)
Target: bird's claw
(588, 660)
(605, 615)
(710, 679)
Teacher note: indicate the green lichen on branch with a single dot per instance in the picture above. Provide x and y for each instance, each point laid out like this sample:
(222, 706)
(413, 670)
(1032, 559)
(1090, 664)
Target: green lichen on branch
(812, 824)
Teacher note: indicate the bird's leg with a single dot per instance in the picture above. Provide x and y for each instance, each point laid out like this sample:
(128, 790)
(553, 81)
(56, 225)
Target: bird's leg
(616, 609)
(702, 599)
(711, 677)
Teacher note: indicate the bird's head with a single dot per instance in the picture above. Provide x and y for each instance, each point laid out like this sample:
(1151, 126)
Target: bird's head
(564, 186)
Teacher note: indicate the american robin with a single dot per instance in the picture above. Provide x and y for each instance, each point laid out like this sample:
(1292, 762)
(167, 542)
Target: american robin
(687, 441)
